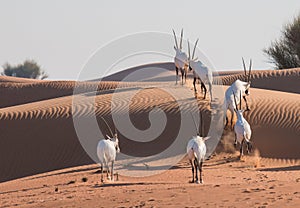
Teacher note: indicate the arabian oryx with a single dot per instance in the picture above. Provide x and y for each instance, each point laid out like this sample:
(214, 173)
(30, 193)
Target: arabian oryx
(200, 72)
(106, 152)
(196, 151)
(181, 59)
(242, 128)
(237, 87)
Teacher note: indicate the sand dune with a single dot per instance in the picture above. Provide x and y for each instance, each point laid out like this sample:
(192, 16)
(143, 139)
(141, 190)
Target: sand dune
(281, 80)
(38, 136)
(37, 120)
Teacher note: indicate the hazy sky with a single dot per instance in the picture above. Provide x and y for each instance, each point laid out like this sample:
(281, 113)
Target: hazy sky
(61, 35)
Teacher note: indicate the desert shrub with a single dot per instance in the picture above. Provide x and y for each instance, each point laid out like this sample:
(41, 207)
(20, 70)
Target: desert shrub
(284, 53)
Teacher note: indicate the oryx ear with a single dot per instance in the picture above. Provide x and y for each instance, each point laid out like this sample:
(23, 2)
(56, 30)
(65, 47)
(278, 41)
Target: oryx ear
(206, 138)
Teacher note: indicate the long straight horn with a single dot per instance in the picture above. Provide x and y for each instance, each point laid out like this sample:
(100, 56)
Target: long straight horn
(202, 125)
(236, 106)
(241, 100)
(197, 130)
(175, 39)
(195, 48)
(189, 50)
(181, 36)
(112, 135)
(250, 67)
(244, 65)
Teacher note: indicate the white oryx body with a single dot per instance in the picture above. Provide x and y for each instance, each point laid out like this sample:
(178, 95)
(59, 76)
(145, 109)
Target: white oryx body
(242, 128)
(204, 74)
(106, 151)
(196, 151)
(200, 72)
(237, 88)
(180, 59)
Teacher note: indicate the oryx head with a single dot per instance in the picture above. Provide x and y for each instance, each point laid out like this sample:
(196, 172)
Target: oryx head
(116, 142)
(192, 58)
(178, 49)
(247, 76)
(114, 137)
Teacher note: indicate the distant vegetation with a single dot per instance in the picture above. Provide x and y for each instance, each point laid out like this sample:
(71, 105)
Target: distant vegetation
(28, 69)
(285, 52)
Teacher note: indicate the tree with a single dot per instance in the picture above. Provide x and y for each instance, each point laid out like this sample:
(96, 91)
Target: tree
(28, 69)
(285, 52)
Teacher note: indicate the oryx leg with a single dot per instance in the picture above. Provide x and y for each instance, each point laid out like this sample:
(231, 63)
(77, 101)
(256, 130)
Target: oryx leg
(196, 163)
(231, 119)
(200, 170)
(176, 74)
(192, 170)
(249, 147)
(185, 74)
(112, 170)
(182, 75)
(210, 91)
(247, 107)
(241, 149)
(108, 171)
(195, 89)
(205, 90)
(101, 169)
(226, 120)
(235, 140)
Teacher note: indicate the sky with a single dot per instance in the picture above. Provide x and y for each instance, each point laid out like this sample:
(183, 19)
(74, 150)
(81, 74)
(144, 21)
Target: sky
(62, 35)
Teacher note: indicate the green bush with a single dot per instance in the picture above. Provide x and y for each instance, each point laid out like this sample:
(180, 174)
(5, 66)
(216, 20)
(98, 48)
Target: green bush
(28, 69)
(284, 53)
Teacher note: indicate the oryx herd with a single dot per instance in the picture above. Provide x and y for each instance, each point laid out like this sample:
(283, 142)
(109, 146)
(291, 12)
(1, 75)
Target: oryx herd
(196, 147)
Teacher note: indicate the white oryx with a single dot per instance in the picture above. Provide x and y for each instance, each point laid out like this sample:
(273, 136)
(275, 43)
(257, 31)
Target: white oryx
(106, 152)
(180, 59)
(242, 128)
(196, 151)
(237, 87)
(200, 72)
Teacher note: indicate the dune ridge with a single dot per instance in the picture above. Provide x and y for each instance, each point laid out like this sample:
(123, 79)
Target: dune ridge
(41, 111)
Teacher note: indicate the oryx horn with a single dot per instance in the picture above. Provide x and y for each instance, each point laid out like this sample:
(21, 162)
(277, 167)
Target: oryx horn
(195, 124)
(250, 67)
(175, 39)
(189, 50)
(107, 126)
(202, 125)
(181, 36)
(195, 48)
(244, 65)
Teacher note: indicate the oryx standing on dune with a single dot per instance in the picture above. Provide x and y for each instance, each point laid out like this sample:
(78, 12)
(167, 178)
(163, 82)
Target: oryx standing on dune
(242, 128)
(238, 87)
(181, 59)
(200, 72)
(107, 150)
(196, 151)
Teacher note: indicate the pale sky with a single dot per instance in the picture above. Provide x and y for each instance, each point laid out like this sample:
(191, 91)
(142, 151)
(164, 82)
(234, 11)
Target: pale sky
(61, 35)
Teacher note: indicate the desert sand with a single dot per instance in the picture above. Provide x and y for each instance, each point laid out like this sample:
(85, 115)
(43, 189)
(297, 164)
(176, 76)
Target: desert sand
(43, 164)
